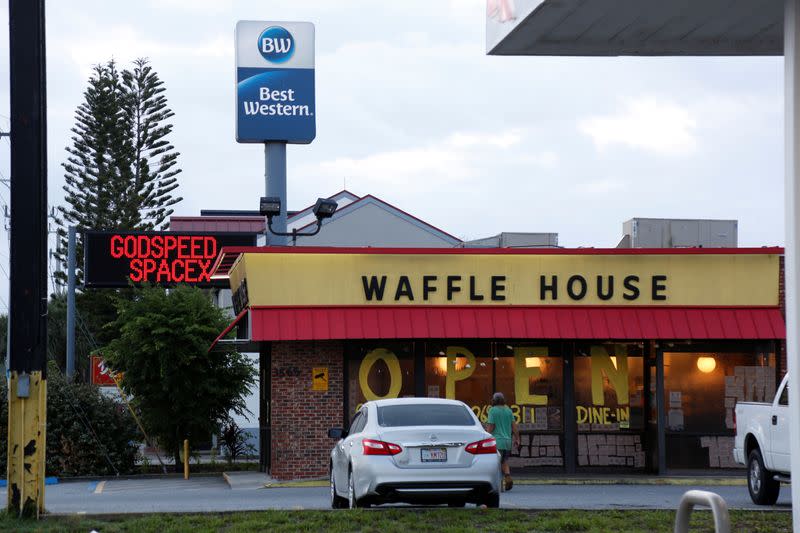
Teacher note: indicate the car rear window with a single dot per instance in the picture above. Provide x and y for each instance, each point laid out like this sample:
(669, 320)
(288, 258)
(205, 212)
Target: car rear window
(424, 414)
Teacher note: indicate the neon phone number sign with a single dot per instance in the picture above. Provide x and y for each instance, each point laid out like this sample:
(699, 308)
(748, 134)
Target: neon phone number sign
(117, 259)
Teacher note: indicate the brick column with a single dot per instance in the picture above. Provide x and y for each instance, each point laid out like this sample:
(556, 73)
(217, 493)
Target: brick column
(301, 417)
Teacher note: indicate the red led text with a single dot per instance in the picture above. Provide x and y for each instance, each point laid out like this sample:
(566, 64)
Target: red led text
(166, 258)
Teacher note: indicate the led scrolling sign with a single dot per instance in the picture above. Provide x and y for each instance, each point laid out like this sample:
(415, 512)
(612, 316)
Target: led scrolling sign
(119, 259)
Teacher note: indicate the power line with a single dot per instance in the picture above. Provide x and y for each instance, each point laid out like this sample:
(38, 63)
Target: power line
(84, 419)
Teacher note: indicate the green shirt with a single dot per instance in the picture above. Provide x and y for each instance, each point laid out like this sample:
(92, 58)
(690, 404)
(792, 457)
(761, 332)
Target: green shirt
(502, 418)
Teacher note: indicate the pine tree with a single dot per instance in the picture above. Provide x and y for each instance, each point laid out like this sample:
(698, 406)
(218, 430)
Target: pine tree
(154, 160)
(121, 169)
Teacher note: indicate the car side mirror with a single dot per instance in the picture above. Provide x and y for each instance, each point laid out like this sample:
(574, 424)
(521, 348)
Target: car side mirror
(337, 433)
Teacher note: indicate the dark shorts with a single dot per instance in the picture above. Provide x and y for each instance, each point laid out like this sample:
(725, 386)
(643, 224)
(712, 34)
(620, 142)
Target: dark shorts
(504, 455)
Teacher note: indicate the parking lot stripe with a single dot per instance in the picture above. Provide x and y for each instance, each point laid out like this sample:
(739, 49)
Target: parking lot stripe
(100, 487)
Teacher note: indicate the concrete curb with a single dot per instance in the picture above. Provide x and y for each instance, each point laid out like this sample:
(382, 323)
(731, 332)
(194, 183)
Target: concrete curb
(246, 480)
(678, 481)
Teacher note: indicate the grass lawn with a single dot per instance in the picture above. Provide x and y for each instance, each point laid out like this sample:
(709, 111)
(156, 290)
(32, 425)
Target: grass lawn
(404, 521)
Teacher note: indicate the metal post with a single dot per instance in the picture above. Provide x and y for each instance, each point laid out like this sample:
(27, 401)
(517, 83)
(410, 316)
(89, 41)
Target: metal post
(275, 177)
(71, 302)
(27, 377)
(185, 458)
(661, 412)
(719, 509)
(792, 266)
(265, 397)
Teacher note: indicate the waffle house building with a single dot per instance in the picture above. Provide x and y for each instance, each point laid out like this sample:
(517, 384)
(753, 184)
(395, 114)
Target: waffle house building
(612, 360)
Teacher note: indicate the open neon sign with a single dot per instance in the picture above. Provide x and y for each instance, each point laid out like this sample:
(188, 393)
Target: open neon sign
(161, 258)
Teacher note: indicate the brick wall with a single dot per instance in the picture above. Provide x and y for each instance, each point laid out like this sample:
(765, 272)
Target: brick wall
(301, 416)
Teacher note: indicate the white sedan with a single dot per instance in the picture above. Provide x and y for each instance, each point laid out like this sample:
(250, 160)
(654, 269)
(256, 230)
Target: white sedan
(414, 450)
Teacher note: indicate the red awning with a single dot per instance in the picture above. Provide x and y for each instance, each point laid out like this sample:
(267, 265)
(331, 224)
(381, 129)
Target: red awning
(614, 323)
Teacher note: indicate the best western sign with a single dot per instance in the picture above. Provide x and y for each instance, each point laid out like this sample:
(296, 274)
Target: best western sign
(275, 82)
(162, 258)
(573, 278)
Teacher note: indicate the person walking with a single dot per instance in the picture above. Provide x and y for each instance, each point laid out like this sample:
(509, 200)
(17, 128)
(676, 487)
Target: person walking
(505, 431)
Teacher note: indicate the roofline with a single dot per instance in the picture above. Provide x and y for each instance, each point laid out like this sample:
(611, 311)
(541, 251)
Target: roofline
(327, 198)
(428, 224)
(232, 218)
(766, 250)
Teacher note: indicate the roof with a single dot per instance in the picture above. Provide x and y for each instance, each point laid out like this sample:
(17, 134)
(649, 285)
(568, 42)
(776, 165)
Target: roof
(373, 200)
(637, 27)
(245, 221)
(543, 322)
(245, 224)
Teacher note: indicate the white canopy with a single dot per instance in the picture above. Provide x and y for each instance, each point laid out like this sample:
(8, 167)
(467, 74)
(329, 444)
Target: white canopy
(680, 27)
(636, 27)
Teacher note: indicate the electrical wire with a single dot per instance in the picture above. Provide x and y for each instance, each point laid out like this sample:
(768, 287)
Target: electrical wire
(88, 335)
(84, 419)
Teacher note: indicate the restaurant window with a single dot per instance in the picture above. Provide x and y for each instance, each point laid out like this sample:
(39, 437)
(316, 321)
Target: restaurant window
(609, 405)
(379, 370)
(531, 377)
(609, 387)
(701, 388)
(460, 371)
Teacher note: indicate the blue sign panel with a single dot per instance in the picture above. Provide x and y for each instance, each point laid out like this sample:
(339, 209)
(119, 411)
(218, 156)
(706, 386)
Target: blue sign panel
(275, 82)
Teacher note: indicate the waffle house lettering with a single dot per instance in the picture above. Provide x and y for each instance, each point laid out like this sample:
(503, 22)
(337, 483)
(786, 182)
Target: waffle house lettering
(547, 288)
(577, 287)
(423, 289)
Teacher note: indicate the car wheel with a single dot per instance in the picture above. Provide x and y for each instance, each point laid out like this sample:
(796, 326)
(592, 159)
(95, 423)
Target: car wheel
(352, 501)
(337, 502)
(492, 501)
(763, 488)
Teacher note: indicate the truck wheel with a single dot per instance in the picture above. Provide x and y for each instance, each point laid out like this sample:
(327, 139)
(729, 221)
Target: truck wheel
(760, 482)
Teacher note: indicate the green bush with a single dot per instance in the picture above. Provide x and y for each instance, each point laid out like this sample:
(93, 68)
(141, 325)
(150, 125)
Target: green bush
(86, 431)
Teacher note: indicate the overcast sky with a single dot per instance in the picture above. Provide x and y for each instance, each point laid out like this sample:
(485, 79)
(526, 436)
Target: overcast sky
(412, 110)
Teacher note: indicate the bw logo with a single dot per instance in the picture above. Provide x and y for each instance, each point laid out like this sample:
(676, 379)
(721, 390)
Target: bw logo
(276, 44)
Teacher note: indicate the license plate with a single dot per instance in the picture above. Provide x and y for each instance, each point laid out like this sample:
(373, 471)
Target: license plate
(434, 455)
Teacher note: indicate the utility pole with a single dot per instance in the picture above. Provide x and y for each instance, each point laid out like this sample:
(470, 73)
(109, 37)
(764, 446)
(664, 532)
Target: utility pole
(27, 378)
(71, 303)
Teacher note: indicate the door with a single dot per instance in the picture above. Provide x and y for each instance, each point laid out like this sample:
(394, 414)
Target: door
(779, 430)
(344, 447)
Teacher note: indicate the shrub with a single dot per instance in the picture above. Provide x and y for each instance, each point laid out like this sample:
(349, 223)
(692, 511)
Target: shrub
(87, 432)
(234, 441)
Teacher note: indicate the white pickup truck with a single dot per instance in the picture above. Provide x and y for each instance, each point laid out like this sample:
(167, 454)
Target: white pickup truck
(762, 443)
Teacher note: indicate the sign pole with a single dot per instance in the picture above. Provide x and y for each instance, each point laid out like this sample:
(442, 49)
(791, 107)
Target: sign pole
(71, 303)
(27, 361)
(275, 184)
(791, 52)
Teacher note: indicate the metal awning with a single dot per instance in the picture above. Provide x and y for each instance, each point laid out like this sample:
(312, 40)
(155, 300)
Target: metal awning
(551, 322)
(636, 27)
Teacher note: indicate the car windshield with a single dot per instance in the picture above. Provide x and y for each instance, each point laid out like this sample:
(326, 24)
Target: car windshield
(424, 414)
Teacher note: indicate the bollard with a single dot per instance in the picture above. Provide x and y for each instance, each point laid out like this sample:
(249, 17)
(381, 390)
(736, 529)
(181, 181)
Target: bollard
(722, 522)
(185, 458)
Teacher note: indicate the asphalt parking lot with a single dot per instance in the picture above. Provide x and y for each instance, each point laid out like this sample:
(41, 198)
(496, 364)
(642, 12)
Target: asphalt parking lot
(213, 494)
